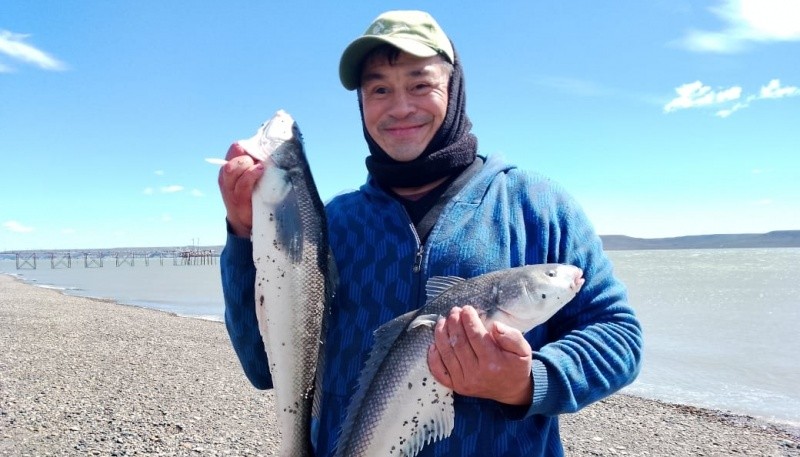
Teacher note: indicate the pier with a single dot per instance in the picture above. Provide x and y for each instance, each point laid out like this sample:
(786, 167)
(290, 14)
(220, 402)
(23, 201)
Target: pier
(119, 258)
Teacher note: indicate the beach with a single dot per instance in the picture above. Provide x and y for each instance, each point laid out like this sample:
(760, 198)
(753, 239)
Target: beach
(81, 376)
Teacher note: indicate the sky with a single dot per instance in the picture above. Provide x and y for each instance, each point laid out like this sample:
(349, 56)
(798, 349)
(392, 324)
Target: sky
(662, 118)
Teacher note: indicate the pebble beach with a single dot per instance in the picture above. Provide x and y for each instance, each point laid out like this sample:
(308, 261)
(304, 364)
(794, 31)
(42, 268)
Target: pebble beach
(81, 376)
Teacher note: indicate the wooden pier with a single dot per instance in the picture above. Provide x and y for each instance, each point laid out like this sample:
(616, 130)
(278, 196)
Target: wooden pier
(95, 259)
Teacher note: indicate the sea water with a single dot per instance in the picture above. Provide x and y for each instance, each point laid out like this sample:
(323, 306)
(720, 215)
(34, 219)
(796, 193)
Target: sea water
(720, 325)
(185, 290)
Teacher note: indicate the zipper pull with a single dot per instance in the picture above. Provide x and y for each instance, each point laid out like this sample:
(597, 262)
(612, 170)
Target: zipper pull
(418, 260)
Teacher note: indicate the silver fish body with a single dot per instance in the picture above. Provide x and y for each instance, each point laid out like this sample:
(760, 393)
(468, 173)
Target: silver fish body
(295, 274)
(399, 407)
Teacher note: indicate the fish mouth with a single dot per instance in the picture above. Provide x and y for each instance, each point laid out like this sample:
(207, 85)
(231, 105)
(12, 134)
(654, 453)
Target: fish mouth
(577, 281)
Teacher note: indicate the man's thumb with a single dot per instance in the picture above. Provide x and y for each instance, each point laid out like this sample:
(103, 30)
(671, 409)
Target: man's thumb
(510, 339)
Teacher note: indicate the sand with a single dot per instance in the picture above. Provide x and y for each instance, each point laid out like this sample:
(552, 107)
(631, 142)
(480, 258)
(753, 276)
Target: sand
(89, 377)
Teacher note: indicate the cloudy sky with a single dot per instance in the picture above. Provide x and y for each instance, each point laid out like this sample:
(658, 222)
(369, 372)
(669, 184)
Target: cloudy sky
(663, 118)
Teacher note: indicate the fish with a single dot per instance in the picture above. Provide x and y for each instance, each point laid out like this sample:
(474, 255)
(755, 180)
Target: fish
(295, 275)
(399, 407)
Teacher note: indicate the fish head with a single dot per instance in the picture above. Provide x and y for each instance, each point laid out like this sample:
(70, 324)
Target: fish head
(533, 293)
(278, 140)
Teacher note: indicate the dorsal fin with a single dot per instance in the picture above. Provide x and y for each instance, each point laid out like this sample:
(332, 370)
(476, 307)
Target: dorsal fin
(438, 284)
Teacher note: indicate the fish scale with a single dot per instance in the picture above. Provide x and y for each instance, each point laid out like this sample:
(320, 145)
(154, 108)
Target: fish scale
(295, 275)
(399, 407)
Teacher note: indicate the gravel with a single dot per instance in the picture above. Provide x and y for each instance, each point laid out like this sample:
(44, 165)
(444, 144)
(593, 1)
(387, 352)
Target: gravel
(80, 376)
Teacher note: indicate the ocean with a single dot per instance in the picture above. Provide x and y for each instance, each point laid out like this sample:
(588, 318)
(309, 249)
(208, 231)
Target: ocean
(720, 325)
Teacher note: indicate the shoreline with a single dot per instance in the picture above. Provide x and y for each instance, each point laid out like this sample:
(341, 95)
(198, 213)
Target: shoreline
(87, 376)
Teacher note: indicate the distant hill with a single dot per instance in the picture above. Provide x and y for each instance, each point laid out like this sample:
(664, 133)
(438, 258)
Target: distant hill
(777, 239)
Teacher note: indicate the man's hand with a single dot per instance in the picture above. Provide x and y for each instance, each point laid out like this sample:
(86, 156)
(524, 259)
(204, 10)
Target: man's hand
(479, 362)
(237, 178)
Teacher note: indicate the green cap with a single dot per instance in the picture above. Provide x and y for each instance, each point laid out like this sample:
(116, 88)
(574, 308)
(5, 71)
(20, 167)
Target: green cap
(414, 32)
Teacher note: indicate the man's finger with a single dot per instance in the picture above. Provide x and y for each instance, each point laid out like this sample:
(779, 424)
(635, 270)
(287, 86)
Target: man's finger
(247, 180)
(235, 150)
(511, 340)
(476, 333)
(437, 368)
(445, 346)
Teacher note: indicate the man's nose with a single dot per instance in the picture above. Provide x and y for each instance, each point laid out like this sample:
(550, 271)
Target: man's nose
(402, 105)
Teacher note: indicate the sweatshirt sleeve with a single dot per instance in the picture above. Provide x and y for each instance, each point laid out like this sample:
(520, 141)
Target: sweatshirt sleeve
(595, 343)
(238, 288)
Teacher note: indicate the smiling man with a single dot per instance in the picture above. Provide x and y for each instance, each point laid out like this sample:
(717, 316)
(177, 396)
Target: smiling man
(404, 100)
(432, 206)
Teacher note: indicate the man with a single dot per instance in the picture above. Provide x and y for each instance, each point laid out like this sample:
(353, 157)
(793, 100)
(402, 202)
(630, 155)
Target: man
(433, 207)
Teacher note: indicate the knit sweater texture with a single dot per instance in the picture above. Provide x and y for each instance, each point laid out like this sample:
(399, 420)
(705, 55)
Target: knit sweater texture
(503, 217)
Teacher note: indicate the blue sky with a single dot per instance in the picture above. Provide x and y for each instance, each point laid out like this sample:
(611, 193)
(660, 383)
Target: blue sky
(663, 118)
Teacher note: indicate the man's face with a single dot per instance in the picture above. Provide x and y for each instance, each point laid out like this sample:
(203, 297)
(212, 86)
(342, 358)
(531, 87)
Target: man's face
(404, 102)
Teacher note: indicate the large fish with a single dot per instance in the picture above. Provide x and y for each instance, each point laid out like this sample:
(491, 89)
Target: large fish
(295, 274)
(399, 407)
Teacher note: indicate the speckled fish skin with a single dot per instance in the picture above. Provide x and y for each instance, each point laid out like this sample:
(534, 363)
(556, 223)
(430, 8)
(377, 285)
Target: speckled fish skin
(399, 407)
(294, 274)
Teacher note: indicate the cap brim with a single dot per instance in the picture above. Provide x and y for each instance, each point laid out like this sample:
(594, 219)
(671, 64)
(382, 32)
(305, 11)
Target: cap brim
(354, 54)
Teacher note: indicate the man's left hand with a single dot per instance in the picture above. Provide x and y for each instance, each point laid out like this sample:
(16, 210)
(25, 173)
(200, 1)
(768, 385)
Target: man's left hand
(475, 361)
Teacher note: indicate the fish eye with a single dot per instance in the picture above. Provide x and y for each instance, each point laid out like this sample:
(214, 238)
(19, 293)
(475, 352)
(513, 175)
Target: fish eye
(544, 296)
(551, 273)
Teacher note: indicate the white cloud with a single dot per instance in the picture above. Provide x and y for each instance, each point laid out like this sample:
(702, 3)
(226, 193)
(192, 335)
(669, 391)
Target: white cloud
(13, 45)
(723, 113)
(148, 191)
(16, 227)
(196, 193)
(774, 90)
(166, 218)
(771, 19)
(159, 172)
(748, 22)
(171, 189)
(698, 95)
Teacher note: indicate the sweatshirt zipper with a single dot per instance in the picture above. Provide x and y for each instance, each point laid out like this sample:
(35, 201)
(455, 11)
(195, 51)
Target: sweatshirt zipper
(420, 250)
(419, 255)
(417, 267)
(418, 260)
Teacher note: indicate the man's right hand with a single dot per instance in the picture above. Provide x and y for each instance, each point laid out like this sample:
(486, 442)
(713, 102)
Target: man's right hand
(237, 178)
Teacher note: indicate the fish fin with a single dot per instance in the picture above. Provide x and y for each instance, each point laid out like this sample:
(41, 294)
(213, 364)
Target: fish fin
(438, 284)
(429, 418)
(428, 320)
(289, 231)
(331, 282)
(385, 336)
